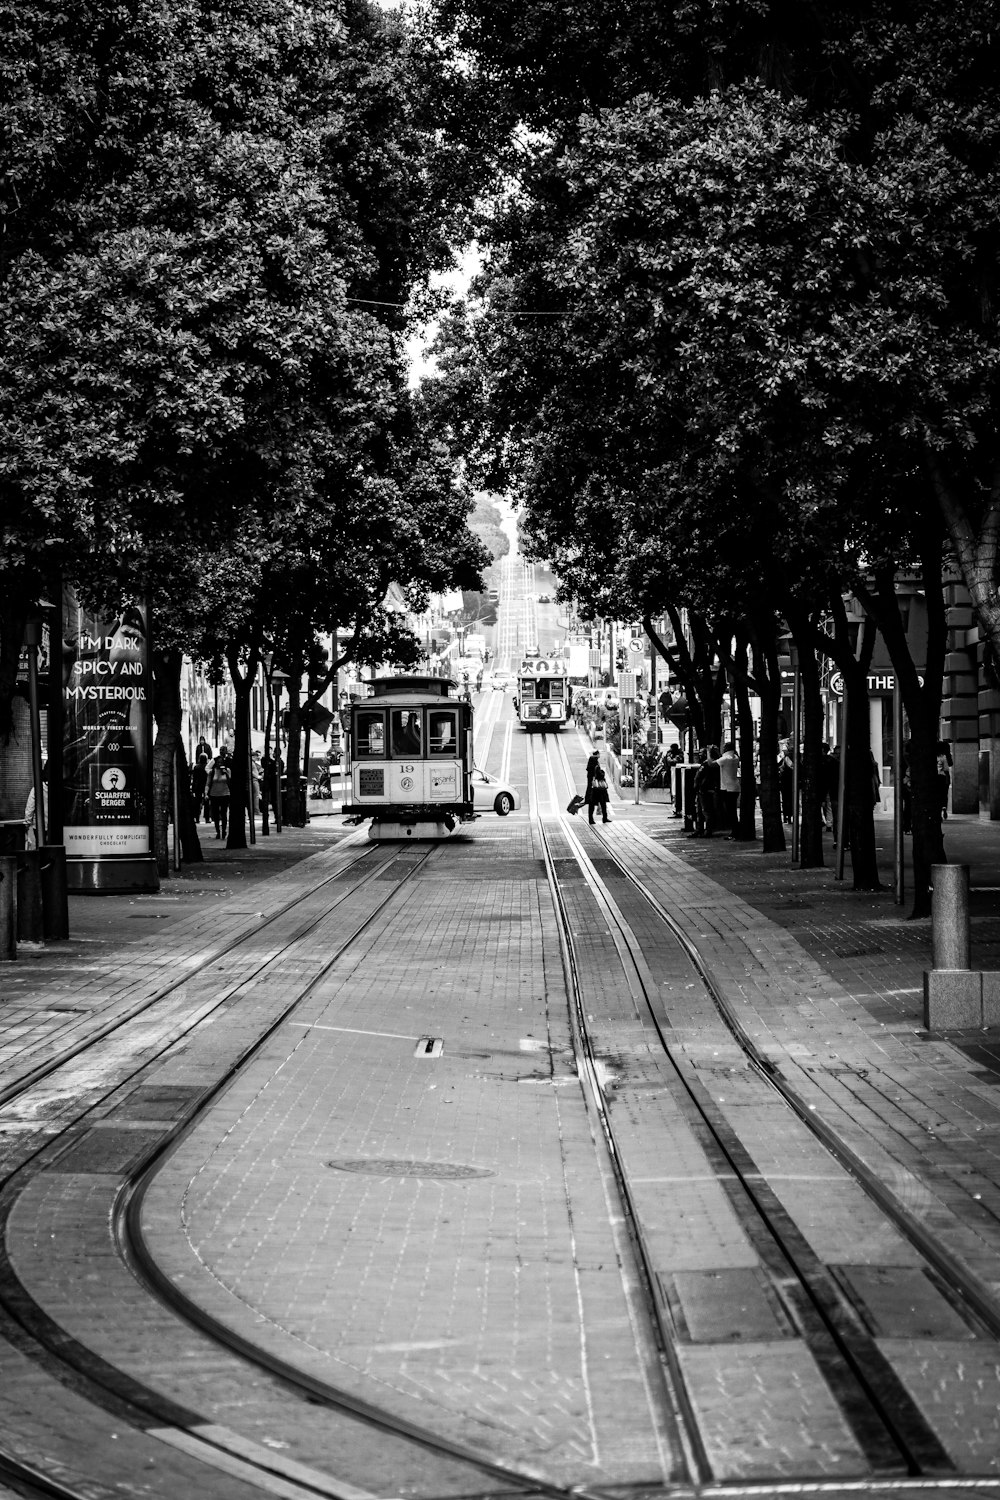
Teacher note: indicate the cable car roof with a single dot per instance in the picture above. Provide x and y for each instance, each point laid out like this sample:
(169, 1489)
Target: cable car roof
(423, 688)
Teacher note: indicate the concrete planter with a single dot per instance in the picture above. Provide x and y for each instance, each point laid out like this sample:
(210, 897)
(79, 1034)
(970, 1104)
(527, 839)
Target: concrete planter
(655, 794)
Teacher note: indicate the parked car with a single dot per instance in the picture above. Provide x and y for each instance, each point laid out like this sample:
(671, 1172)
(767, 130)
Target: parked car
(490, 794)
(544, 599)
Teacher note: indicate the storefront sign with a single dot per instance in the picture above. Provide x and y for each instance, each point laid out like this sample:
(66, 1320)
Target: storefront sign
(106, 763)
(878, 682)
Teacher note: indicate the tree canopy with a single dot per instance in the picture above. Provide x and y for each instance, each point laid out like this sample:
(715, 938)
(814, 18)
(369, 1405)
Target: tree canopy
(212, 220)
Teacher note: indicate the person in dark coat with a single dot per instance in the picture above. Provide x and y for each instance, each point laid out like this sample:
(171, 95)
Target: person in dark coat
(593, 766)
(199, 785)
(598, 796)
(706, 792)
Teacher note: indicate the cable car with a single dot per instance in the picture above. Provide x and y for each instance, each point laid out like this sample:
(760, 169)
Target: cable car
(409, 759)
(544, 695)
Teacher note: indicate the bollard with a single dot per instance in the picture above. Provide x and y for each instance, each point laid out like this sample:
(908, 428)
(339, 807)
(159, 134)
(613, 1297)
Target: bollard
(8, 906)
(950, 933)
(55, 901)
(30, 925)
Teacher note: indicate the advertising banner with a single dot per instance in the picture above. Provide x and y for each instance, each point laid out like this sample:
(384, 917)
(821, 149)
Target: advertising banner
(107, 773)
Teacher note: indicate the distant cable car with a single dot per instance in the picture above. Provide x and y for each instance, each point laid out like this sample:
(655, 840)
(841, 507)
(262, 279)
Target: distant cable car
(544, 695)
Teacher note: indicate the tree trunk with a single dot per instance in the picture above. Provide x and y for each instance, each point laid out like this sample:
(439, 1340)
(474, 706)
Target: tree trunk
(767, 676)
(168, 754)
(921, 693)
(811, 746)
(859, 823)
(14, 610)
(187, 811)
(293, 752)
(240, 803)
(925, 812)
(811, 767)
(744, 717)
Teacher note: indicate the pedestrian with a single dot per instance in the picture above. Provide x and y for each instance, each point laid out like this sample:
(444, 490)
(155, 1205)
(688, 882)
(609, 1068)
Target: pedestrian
(729, 789)
(203, 748)
(199, 785)
(907, 790)
(30, 832)
(598, 796)
(256, 778)
(218, 795)
(706, 791)
(786, 781)
(944, 764)
(593, 766)
(831, 788)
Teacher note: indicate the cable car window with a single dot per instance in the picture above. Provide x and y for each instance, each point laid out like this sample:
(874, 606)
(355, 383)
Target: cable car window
(371, 733)
(406, 736)
(443, 732)
(527, 687)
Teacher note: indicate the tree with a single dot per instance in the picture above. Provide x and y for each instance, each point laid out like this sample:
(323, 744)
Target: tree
(890, 117)
(203, 289)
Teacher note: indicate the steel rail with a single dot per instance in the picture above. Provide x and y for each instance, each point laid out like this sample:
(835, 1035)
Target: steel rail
(13, 1091)
(675, 1405)
(923, 1456)
(108, 1386)
(981, 1303)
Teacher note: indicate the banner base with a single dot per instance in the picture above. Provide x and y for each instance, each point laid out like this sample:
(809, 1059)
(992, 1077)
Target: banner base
(134, 874)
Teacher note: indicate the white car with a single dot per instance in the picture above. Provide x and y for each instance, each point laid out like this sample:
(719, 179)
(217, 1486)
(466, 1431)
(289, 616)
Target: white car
(490, 794)
(501, 680)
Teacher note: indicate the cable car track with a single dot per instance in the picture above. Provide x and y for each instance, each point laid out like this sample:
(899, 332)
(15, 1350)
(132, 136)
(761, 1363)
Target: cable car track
(97, 1034)
(28, 1328)
(898, 1444)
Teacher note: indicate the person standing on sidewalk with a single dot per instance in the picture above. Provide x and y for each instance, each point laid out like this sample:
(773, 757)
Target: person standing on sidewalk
(729, 789)
(786, 780)
(199, 785)
(943, 775)
(218, 794)
(30, 831)
(706, 794)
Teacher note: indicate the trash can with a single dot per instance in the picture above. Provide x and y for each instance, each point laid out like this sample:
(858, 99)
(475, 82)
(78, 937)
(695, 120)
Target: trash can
(303, 799)
(13, 833)
(8, 906)
(685, 776)
(30, 922)
(55, 902)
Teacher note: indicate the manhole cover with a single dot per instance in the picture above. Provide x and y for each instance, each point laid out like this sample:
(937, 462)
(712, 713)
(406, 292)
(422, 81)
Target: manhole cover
(375, 1166)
